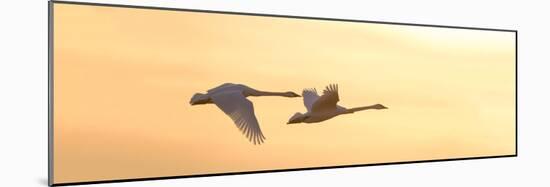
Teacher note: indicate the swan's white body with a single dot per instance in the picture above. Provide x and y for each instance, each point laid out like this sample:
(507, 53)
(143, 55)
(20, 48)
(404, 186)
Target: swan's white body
(231, 99)
(321, 108)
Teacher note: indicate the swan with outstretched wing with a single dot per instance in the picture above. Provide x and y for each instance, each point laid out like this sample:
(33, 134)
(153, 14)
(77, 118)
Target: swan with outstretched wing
(231, 99)
(321, 108)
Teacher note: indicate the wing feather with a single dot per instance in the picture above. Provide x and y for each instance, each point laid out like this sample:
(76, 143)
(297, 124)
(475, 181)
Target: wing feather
(241, 111)
(310, 96)
(328, 100)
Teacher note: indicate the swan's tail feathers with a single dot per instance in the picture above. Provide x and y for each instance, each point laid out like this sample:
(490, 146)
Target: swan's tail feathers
(296, 118)
(199, 98)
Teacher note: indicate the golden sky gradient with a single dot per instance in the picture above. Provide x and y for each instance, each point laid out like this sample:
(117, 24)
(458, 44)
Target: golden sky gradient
(123, 78)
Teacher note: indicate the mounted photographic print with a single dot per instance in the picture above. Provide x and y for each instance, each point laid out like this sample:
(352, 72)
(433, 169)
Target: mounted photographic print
(140, 93)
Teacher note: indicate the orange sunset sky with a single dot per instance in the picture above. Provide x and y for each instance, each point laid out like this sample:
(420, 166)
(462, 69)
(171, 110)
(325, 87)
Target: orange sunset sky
(123, 78)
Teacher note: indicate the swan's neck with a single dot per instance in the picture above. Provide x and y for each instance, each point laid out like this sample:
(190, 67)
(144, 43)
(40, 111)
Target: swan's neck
(352, 110)
(263, 93)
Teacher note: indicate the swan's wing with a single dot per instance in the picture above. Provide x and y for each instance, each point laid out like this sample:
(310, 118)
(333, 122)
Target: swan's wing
(241, 111)
(328, 100)
(310, 96)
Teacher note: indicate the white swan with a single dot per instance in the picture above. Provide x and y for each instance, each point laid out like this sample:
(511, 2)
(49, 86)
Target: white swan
(324, 107)
(231, 99)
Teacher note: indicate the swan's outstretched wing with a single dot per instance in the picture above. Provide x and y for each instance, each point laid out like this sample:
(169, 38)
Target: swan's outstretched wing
(328, 100)
(310, 96)
(241, 111)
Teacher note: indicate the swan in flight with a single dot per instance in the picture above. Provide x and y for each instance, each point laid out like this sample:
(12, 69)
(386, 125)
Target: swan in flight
(321, 108)
(231, 99)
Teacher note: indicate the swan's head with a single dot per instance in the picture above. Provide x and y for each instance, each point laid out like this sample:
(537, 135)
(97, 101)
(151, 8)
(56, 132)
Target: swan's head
(379, 106)
(199, 98)
(291, 94)
(297, 118)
